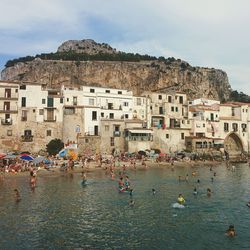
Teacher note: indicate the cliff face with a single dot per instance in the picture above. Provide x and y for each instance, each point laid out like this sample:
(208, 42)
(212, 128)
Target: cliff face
(156, 75)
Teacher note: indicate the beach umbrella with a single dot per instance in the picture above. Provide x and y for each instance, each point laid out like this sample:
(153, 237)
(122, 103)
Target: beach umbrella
(10, 156)
(2, 155)
(26, 157)
(39, 159)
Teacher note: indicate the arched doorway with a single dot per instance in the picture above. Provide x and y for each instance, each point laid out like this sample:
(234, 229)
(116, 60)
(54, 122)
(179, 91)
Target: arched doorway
(233, 144)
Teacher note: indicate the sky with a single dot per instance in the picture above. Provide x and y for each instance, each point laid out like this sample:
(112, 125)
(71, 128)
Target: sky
(205, 33)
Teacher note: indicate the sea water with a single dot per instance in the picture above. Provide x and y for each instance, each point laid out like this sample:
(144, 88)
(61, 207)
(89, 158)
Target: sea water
(63, 214)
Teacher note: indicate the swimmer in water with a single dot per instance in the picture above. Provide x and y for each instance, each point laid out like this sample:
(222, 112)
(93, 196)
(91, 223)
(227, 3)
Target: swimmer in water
(198, 181)
(231, 231)
(131, 192)
(214, 173)
(195, 192)
(131, 203)
(248, 204)
(209, 192)
(17, 195)
(212, 179)
(181, 199)
(153, 191)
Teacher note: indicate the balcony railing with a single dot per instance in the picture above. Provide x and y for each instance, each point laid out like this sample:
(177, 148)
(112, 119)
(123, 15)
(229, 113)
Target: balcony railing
(7, 121)
(50, 120)
(8, 111)
(27, 138)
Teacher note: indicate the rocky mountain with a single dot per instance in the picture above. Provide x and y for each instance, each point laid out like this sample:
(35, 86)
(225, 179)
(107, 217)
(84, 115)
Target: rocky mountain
(86, 62)
(87, 46)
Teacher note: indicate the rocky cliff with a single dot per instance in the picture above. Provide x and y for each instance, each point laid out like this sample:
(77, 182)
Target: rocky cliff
(138, 75)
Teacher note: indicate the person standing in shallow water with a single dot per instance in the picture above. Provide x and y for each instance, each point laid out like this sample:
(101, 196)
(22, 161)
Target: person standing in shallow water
(17, 195)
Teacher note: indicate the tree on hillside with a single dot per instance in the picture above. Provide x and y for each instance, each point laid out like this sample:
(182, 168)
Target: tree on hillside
(54, 146)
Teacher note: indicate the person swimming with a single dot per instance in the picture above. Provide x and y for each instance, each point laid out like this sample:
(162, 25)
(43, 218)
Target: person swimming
(212, 179)
(198, 181)
(131, 203)
(209, 192)
(231, 231)
(195, 192)
(17, 195)
(248, 204)
(153, 191)
(181, 199)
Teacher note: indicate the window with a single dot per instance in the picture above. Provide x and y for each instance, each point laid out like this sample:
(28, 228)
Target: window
(170, 99)
(126, 116)
(34, 110)
(23, 87)
(226, 127)
(204, 125)
(74, 100)
(16, 90)
(125, 104)
(138, 101)
(94, 115)
(91, 101)
(24, 115)
(110, 105)
(181, 99)
(50, 102)
(161, 110)
(172, 109)
(27, 132)
(61, 100)
(9, 132)
(117, 128)
(102, 114)
(111, 116)
(43, 101)
(160, 97)
(23, 102)
(86, 140)
(182, 136)
(92, 90)
(107, 91)
(167, 136)
(244, 127)
(235, 127)
(67, 99)
(233, 111)
(106, 127)
(112, 141)
(119, 92)
(49, 132)
(176, 109)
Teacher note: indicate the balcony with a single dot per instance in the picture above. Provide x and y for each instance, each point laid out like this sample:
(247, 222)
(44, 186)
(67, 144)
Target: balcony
(7, 121)
(8, 111)
(117, 133)
(50, 120)
(27, 138)
(11, 98)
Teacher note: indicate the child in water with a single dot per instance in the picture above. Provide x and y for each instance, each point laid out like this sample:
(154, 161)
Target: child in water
(181, 199)
(231, 231)
(153, 191)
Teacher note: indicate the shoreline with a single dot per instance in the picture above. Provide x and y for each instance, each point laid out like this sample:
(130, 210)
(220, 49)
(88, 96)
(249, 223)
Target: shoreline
(93, 167)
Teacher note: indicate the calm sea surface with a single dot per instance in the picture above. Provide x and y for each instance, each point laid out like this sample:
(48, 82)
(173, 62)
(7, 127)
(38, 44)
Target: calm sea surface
(63, 214)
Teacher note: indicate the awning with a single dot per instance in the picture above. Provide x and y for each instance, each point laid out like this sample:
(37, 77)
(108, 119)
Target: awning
(140, 131)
